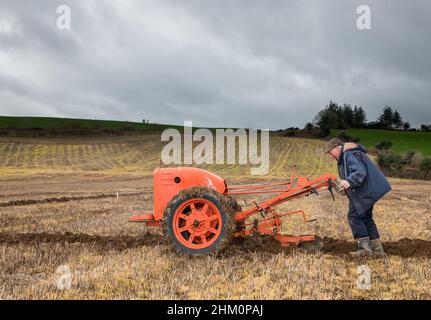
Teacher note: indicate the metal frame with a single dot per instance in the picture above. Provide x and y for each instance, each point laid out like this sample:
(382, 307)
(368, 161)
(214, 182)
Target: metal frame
(271, 219)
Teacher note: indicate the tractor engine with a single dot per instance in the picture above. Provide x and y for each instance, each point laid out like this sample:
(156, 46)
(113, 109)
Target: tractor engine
(168, 182)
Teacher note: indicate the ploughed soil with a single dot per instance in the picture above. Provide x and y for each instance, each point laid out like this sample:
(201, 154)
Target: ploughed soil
(403, 247)
(24, 202)
(115, 242)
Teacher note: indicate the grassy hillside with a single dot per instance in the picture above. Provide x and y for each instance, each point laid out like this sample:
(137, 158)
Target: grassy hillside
(65, 123)
(402, 140)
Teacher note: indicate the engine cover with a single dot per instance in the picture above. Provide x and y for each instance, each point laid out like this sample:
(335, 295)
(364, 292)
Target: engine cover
(168, 182)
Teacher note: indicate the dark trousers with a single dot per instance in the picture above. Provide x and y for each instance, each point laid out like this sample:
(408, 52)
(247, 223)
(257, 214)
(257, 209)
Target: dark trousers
(362, 225)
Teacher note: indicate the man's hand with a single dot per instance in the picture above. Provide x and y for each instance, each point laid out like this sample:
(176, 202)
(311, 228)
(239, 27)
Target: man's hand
(344, 184)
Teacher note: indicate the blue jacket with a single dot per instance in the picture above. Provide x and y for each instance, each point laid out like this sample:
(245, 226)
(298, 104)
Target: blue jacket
(367, 183)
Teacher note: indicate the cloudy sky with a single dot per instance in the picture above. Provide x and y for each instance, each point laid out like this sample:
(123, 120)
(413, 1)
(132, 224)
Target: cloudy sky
(250, 63)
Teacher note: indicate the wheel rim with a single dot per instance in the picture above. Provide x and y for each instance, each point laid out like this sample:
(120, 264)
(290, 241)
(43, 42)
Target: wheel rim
(197, 223)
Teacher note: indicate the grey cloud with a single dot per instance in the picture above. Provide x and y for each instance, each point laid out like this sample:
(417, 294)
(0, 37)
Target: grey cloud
(267, 64)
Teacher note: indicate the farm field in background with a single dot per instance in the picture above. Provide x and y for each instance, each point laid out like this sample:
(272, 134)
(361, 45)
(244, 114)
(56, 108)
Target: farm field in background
(140, 153)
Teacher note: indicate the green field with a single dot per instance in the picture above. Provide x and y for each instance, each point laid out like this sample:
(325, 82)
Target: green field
(402, 140)
(66, 123)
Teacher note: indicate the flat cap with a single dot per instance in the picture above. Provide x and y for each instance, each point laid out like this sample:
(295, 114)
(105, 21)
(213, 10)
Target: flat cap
(333, 143)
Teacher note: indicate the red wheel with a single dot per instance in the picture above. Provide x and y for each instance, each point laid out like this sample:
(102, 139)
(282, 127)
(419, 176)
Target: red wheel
(197, 223)
(199, 220)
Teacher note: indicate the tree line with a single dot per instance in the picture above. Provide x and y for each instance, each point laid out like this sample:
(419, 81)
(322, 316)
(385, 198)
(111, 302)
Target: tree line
(335, 116)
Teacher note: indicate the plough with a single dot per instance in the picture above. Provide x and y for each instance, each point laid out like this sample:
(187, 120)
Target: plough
(198, 211)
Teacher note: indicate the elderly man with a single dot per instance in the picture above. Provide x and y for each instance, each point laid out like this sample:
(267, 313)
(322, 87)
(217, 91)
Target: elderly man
(364, 184)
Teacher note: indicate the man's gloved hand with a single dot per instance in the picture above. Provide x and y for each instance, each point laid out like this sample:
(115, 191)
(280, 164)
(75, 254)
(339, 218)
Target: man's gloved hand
(344, 184)
(338, 187)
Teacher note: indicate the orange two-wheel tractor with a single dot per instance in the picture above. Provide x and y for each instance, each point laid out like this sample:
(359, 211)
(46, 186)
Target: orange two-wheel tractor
(195, 208)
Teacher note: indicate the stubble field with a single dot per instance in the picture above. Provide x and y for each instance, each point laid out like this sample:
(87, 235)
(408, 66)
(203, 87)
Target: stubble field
(64, 208)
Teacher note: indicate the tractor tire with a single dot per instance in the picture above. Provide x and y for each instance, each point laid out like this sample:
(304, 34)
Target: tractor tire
(199, 221)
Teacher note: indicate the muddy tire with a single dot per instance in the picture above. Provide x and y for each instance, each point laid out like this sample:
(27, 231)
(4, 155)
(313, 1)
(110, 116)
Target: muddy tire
(199, 221)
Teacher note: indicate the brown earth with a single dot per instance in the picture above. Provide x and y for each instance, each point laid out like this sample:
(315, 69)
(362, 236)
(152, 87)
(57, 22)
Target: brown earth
(85, 227)
(403, 248)
(25, 202)
(120, 242)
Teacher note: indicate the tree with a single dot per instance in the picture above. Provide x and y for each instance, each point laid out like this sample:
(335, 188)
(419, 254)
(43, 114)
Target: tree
(386, 119)
(326, 120)
(406, 125)
(346, 117)
(359, 117)
(334, 116)
(309, 127)
(397, 121)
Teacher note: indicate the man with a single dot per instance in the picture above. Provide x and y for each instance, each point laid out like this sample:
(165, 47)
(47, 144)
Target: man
(364, 185)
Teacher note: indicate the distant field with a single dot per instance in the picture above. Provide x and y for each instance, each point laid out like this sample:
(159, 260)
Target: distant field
(137, 152)
(402, 140)
(66, 123)
(140, 153)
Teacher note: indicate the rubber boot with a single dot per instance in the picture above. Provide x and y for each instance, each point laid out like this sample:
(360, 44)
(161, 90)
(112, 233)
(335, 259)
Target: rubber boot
(364, 248)
(377, 247)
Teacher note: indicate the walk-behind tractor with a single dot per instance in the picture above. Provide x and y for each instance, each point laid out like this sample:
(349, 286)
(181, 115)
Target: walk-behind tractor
(199, 213)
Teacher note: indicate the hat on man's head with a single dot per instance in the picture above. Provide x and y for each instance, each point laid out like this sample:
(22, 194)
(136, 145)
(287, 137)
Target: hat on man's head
(333, 143)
